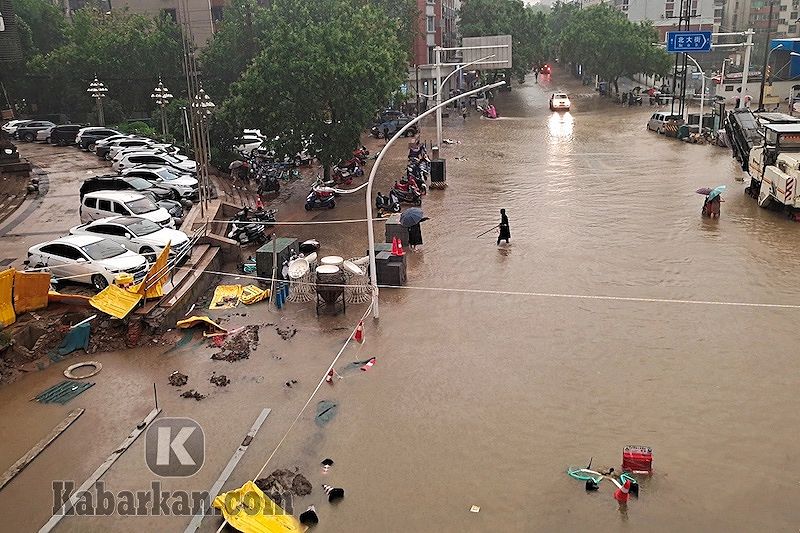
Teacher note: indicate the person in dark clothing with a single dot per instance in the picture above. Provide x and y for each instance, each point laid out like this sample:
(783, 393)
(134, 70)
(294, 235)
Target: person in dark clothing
(505, 230)
(386, 133)
(415, 235)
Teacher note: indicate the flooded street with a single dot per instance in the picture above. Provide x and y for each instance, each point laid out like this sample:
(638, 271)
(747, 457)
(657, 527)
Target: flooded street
(616, 316)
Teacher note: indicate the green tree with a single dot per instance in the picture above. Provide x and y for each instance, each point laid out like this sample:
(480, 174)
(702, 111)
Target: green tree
(608, 44)
(41, 25)
(527, 27)
(127, 52)
(325, 67)
(404, 16)
(233, 47)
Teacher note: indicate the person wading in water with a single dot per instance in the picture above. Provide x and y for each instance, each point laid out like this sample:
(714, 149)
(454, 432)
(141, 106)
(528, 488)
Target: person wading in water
(505, 230)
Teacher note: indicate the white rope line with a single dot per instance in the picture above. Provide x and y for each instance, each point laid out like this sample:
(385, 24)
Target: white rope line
(534, 294)
(308, 402)
(298, 223)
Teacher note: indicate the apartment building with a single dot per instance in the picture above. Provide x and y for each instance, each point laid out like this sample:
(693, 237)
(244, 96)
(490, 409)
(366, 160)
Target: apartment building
(436, 26)
(706, 14)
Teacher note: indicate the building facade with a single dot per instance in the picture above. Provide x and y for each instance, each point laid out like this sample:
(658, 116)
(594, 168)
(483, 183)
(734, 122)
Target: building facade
(204, 15)
(705, 14)
(436, 26)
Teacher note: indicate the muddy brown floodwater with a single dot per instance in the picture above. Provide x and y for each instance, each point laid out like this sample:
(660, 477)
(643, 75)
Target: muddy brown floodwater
(484, 397)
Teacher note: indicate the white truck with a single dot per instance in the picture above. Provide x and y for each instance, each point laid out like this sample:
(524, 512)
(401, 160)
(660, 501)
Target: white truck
(774, 168)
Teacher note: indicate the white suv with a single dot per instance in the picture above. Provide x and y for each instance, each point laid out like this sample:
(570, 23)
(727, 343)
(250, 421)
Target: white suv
(182, 185)
(132, 159)
(103, 204)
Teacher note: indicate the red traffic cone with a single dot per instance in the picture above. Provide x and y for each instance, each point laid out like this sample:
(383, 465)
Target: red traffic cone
(259, 204)
(394, 246)
(369, 364)
(329, 377)
(400, 248)
(359, 335)
(621, 494)
(334, 493)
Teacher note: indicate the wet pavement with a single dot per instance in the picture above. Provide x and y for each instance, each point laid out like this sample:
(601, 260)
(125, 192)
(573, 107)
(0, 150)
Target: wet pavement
(576, 339)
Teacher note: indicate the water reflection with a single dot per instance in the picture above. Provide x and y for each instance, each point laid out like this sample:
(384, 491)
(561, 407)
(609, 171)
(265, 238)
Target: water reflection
(560, 126)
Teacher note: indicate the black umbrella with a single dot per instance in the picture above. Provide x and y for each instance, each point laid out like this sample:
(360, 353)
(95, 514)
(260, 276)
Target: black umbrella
(411, 217)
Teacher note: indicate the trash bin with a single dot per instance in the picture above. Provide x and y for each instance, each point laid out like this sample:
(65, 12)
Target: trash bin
(438, 173)
(683, 131)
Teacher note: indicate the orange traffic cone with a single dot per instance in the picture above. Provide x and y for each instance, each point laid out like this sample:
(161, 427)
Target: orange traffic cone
(394, 246)
(259, 204)
(359, 336)
(621, 494)
(400, 248)
(369, 364)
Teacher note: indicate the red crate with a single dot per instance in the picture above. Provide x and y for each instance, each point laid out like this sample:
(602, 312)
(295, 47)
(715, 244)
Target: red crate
(637, 459)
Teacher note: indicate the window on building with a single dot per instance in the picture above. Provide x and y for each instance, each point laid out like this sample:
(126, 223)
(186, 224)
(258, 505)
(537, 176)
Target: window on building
(668, 14)
(216, 13)
(783, 7)
(431, 55)
(171, 13)
(793, 15)
(431, 24)
(431, 2)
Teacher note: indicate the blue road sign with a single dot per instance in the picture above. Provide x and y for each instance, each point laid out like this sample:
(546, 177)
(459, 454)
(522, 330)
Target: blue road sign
(688, 41)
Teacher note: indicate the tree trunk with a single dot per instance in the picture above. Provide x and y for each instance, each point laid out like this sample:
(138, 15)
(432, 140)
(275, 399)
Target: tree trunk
(326, 171)
(616, 86)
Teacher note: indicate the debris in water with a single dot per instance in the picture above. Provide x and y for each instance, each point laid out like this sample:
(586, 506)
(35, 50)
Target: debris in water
(176, 379)
(237, 345)
(282, 482)
(475, 509)
(191, 393)
(286, 333)
(291, 382)
(220, 381)
(326, 465)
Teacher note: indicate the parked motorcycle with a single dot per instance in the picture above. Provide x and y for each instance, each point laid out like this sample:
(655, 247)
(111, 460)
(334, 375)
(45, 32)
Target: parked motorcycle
(320, 198)
(361, 153)
(386, 203)
(248, 226)
(406, 191)
(342, 176)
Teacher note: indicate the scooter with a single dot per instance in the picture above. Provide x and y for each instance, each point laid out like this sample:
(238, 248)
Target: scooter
(386, 203)
(406, 191)
(319, 198)
(246, 231)
(361, 153)
(353, 165)
(342, 176)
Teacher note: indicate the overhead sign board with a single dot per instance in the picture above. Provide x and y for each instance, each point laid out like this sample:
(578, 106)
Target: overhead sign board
(688, 41)
(475, 48)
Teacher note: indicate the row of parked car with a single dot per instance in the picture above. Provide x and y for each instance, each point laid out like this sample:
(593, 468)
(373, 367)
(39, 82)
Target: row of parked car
(127, 218)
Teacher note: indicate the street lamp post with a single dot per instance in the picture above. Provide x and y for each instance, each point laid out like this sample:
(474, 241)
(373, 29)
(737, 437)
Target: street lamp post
(98, 91)
(764, 73)
(161, 96)
(373, 274)
(203, 108)
(702, 90)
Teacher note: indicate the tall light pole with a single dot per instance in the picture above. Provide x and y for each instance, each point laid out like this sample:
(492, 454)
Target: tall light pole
(373, 274)
(766, 58)
(98, 91)
(203, 107)
(161, 96)
(702, 90)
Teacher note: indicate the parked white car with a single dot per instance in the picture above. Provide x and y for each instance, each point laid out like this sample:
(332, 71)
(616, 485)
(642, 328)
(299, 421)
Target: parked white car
(182, 185)
(138, 235)
(86, 259)
(179, 162)
(104, 204)
(11, 126)
(44, 135)
(108, 149)
(153, 148)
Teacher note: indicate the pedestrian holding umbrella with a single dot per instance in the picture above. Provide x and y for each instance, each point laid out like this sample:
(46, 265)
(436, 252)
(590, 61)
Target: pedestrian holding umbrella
(411, 218)
(711, 204)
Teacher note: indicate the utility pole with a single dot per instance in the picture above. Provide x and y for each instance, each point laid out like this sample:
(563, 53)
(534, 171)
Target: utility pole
(767, 52)
(684, 21)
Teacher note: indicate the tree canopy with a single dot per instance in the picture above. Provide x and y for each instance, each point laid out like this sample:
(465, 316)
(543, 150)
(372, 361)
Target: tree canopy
(324, 67)
(527, 27)
(606, 43)
(127, 52)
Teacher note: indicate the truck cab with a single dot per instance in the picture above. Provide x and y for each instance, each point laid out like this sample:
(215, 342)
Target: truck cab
(774, 166)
